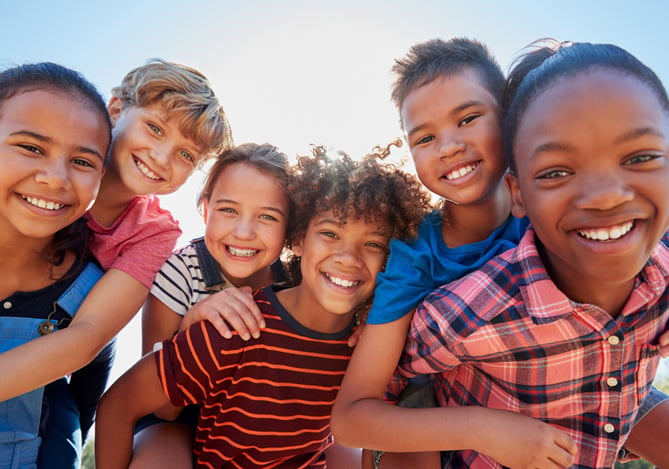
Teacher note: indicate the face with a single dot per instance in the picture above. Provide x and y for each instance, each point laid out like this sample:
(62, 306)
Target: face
(246, 219)
(148, 153)
(52, 148)
(339, 265)
(452, 126)
(592, 156)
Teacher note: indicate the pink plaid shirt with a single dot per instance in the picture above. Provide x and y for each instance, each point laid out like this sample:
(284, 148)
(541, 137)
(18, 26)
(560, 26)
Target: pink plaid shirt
(506, 337)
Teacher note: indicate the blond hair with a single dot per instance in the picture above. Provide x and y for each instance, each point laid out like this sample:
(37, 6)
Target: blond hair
(188, 98)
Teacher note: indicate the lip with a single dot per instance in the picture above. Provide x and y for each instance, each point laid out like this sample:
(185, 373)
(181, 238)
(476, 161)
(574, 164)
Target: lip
(239, 253)
(342, 282)
(146, 171)
(625, 241)
(43, 205)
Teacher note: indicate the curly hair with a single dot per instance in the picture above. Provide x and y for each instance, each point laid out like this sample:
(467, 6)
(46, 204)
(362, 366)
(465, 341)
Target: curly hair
(367, 189)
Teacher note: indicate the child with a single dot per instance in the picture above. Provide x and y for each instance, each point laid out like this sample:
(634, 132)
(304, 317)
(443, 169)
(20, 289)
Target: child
(268, 400)
(54, 135)
(245, 207)
(166, 121)
(448, 94)
(564, 327)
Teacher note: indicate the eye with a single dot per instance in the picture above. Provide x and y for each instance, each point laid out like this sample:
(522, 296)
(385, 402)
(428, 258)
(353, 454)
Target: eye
(377, 245)
(228, 210)
(424, 140)
(640, 159)
(154, 128)
(187, 156)
(468, 120)
(31, 148)
(83, 162)
(268, 217)
(553, 174)
(329, 234)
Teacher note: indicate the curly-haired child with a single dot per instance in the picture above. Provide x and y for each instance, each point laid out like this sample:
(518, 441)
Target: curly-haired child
(268, 400)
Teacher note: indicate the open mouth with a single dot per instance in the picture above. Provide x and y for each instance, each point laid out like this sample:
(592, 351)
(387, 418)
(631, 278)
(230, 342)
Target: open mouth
(41, 203)
(340, 282)
(610, 233)
(146, 171)
(241, 252)
(461, 171)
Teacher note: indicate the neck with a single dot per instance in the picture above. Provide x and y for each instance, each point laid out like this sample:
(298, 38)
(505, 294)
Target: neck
(112, 199)
(299, 304)
(471, 223)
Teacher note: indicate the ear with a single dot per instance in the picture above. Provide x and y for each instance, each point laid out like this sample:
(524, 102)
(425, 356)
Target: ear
(114, 108)
(205, 210)
(517, 202)
(297, 248)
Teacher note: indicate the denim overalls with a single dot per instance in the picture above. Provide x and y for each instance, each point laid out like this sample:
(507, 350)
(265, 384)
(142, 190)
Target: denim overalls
(20, 416)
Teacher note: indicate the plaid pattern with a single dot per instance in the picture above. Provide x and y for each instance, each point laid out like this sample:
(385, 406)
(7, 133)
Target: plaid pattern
(505, 337)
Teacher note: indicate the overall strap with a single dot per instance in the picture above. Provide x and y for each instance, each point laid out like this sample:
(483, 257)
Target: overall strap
(211, 272)
(75, 295)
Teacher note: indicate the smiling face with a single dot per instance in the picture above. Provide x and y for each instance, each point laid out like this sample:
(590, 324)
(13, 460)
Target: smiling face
(453, 130)
(339, 267)
(148, 153)
(52, 149)
(246, 216)
(592, 157)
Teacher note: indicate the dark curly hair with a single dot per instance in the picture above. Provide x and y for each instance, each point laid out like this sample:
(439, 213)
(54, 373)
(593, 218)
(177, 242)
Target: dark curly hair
(367, 189)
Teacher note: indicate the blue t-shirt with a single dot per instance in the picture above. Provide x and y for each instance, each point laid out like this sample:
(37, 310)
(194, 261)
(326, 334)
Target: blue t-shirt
(415, 269)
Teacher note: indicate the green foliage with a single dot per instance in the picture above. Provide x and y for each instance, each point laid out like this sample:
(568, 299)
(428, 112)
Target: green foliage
(641, 464)
(88, 455)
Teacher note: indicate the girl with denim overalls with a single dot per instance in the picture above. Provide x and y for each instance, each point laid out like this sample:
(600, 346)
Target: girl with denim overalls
(54, 136)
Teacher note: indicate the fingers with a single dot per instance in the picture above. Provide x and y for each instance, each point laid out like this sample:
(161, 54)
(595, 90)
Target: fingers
(355, 337)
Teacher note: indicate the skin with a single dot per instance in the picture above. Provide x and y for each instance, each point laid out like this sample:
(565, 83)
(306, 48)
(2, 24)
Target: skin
(452, 124)
(53, 146)
(331, 252)
(245, 227)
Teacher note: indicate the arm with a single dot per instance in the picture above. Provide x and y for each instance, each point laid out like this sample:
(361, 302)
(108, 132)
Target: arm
(361, 418)
(648, 438)
(102, 315)
(138, 392)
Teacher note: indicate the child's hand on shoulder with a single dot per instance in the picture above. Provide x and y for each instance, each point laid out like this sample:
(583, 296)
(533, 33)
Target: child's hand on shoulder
(517, 441)
(229, 309)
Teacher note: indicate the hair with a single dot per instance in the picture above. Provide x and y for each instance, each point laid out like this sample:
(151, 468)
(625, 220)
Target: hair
(59, 79)
(429, 60)
(367, 189)
(547, 60)
(265, 157)
(187, 95)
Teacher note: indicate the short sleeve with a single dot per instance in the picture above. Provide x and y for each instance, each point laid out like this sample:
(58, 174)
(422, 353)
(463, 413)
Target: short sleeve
(139, 242)
(173, 284)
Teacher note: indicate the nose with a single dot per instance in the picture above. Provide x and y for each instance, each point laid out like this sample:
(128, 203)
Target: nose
(602, 190)
(244, 228)
(348, 255)
(55, 172)
(450, 145)
(161, 154)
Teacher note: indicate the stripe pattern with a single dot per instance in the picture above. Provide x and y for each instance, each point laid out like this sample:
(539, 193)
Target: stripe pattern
(265, 402)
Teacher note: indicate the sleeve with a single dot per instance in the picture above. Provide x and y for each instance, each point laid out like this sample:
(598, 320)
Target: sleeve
(190, 363)
(140, 242)
(405, 281)
(173, 284)
(428, 347)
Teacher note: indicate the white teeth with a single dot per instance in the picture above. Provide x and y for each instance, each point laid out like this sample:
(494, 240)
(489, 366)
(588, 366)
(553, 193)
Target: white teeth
(242, 252)
(342, 282)
(147, 172)
(606, 234)
(42, 203)
(458, 173)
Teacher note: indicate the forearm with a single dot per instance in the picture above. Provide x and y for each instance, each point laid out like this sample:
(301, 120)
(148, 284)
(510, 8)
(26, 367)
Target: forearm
(648, 438)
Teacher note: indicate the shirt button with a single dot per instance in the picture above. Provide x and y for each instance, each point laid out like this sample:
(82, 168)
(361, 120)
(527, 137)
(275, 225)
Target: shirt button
(7, 304)
(612, 382)
(608, 428)
(614, 340)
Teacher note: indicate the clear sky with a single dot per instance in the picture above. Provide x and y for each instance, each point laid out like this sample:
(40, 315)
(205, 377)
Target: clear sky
(297, 72)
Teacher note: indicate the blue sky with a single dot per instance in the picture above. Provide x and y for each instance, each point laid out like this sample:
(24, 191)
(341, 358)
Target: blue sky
(297, 72)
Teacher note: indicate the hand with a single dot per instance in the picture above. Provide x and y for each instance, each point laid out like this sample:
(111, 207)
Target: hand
(518, 441)
(232, 308)
(355, 337)
(664, 344)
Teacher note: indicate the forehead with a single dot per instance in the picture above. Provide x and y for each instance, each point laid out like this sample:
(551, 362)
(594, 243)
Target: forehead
(446, 92)
(595, 105)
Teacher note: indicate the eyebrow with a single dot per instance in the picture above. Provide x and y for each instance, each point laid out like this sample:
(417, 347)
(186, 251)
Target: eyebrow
(456, 110)
(234, 202)
(45, 139)
(327, 221)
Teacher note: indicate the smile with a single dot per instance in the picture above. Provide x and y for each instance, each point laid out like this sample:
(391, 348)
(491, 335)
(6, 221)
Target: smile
(340, 282)
(607, 234)
(241, 252)
(146, 171)
(460, 172)
(42, 203)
